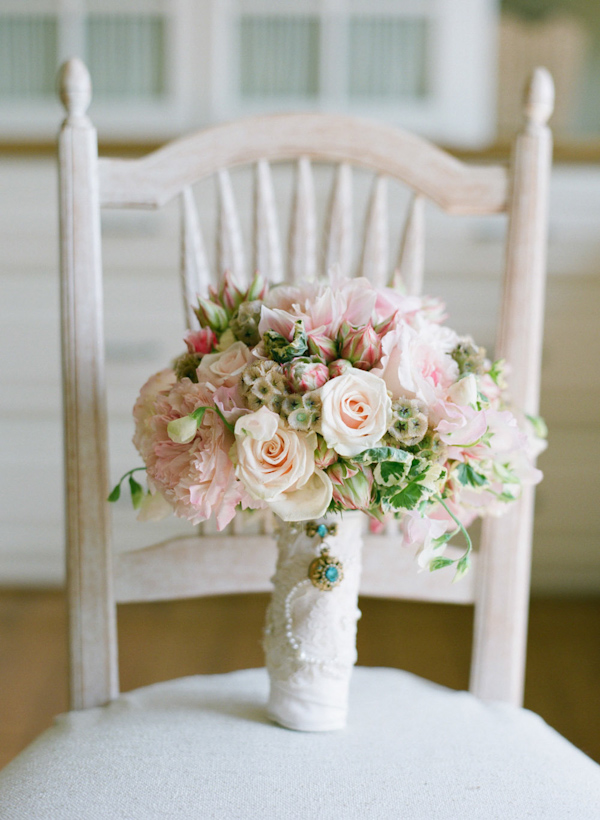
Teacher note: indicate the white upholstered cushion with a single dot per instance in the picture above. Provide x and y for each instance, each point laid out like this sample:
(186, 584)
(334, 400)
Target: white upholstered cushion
(201, 747)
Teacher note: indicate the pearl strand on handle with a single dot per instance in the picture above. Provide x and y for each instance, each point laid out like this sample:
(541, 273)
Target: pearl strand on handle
(289, 632)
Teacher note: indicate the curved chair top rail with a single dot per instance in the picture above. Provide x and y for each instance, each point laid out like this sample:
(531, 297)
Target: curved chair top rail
(153, 180)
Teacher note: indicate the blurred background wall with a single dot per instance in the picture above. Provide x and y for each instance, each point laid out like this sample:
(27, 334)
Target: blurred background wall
(451, 71)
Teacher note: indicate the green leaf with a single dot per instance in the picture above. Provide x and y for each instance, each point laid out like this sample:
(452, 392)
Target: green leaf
(467, 475)
(280, 349)
(418, 468)
(137, 492)
(408, 498)
(380, 454)
(389, 473)
(506, 497)
(439, 563)
(497, 371)
(115, 493)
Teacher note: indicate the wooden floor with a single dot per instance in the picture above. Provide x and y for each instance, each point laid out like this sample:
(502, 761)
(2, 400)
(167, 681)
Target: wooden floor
(166, 640)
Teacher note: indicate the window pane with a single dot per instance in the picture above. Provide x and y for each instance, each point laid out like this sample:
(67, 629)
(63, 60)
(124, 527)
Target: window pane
(126, 55)
(387, 57)
(28, 56)
(279, 56)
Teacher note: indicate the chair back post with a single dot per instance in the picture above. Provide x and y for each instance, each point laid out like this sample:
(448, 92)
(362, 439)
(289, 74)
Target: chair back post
(92, 621)
(502, 596)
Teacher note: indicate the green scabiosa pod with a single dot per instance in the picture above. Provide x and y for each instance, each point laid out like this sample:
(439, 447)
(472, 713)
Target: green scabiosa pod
(409, 422)
(469, 357)
(263, 385)
(185, 366)
(301, 410)
(244, 323)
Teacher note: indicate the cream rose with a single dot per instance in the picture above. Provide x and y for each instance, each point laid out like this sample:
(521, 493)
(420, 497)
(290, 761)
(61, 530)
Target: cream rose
(224, 369)
(277, 465)
(356, 412)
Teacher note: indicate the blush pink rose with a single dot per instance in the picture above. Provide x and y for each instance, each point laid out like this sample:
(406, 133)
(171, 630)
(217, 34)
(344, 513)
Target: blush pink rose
(224, 369)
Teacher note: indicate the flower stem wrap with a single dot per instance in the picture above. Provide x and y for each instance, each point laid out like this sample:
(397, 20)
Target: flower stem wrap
(310, 635)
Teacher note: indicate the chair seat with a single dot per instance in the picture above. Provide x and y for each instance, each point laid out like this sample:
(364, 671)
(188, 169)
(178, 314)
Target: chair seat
(202, 747)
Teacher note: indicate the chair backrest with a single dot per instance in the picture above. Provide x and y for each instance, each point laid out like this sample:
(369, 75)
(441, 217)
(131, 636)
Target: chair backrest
(498, 584)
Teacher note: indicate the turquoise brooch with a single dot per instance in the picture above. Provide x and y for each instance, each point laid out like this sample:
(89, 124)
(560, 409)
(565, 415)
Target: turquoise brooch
(325, 572)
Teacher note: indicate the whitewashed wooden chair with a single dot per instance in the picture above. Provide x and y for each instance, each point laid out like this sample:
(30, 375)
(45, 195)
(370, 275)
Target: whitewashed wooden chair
(201, 747)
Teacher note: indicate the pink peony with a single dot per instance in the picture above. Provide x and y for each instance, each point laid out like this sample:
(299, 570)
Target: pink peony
(144, 410)
(197, 479)
(416, 363)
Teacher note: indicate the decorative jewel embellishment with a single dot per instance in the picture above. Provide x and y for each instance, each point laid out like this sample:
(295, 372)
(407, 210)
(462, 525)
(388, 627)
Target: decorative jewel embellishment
(322, 530)
(326, 572)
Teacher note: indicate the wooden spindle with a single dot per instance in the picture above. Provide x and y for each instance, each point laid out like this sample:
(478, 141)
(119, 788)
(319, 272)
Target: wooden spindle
(194, 269)
(375, 253)
(339, 223)
(267, 247)
(411, 259)
(500, 635)
(92, 614)
(230, 246)
(302, 239)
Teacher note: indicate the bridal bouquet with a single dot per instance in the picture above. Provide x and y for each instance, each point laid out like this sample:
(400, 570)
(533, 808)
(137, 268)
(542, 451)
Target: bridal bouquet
(332, 396)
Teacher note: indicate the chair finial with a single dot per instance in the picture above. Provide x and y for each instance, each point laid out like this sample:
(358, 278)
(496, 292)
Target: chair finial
(75, 87)
(539, 97)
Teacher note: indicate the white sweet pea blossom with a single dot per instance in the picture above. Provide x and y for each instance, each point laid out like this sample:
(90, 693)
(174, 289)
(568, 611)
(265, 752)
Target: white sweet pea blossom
(464, 391)
(421, 532)
(154, 507)
(183, 430)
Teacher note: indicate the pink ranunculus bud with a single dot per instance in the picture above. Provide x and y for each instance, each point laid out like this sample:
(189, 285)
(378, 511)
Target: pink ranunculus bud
(230, 296)
(200, 341)
(339, 367)
(304, 374)
(322, 346)
(324, 455)
(212, 315)
(386, 325)
(360, 345)
(340, 471)
(354, 492)
(259, 287)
